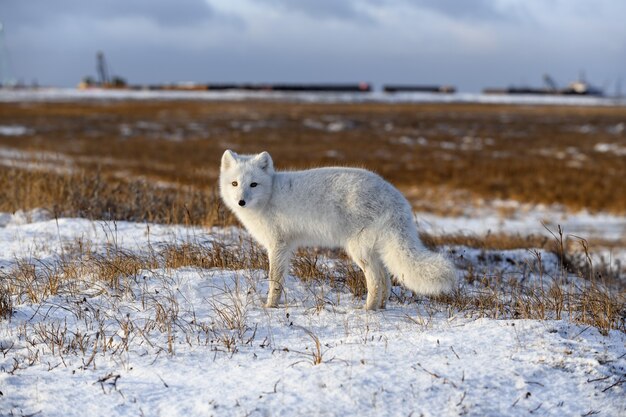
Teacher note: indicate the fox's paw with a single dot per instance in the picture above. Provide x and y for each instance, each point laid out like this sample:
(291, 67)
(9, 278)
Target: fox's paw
(272, 302)
(372, 304)
(273, 297)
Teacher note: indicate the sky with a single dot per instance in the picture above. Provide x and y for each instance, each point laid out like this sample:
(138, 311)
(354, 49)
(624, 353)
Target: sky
(470, 44)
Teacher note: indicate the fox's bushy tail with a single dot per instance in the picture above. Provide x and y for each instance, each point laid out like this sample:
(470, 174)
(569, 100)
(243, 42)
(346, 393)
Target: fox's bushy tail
(416, 268)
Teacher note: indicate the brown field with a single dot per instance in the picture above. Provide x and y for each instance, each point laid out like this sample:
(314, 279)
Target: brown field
(159, 160)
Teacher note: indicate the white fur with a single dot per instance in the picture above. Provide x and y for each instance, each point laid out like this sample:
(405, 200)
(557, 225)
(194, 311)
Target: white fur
(334, 207)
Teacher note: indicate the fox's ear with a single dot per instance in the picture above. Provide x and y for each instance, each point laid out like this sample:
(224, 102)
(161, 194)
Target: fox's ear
(228, 159)
(265, 161)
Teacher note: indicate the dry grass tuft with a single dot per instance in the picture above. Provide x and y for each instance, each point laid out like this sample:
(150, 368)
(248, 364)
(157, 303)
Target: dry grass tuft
(309, 265)
(114, 268)
(494, 241)
(34, 281)
(6, 303)
(215, 254)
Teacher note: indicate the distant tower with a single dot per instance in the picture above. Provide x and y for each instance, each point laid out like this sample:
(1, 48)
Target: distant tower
(6, 76)
(103, 71)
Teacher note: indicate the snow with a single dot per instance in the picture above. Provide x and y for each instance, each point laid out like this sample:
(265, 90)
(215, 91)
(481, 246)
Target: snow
(610, 148)
(25, 236)
(511, 217)
(13, 130)
(605, 231)
(69, 94)
(191, 341)
(372, 364)
(35, 160)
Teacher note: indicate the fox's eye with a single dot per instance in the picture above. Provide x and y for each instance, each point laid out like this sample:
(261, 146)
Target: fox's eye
(254, 184)
(234, 183)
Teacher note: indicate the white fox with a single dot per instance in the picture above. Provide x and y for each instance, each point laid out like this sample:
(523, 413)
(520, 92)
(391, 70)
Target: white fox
(333, 207)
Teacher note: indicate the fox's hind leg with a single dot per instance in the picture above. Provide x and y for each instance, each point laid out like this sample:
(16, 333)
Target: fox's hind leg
(375, 274)
(386, 289)
(279, 257)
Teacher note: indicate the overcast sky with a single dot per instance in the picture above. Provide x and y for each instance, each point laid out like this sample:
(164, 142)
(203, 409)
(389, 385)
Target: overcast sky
(467, 43)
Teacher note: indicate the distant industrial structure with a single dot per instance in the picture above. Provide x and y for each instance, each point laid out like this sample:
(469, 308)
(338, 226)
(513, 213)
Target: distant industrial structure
(404, 88)
(105, 80)
(579, 87)
(327, 87)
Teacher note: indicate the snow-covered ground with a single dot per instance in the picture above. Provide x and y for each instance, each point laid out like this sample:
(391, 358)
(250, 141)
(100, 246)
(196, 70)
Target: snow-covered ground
(72, 94)
(605, 231)
(191, 341)
(512, 217)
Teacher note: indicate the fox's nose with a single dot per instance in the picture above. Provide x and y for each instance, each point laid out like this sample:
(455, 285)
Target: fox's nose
(242, 203)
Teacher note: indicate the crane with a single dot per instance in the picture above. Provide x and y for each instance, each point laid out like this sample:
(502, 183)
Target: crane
(105, 79)
(552, 87)
(103, 71)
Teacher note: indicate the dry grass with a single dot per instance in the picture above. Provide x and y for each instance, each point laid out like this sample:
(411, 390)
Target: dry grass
(216, 254)
(597, 298)
(573, 252)
(496, 241)
(91, 195)
(440, 155)
(6, 303)
(493, 294)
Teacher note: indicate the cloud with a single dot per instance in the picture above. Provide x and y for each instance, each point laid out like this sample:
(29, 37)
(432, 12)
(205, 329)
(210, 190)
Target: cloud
(471, 44)
(477, 10)
(163, 12)
(324, 9)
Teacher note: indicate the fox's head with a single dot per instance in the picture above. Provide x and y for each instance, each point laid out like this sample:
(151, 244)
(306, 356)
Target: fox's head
(246, 180)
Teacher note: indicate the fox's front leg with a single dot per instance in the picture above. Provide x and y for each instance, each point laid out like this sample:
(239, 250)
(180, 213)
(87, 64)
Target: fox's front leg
(279, 256)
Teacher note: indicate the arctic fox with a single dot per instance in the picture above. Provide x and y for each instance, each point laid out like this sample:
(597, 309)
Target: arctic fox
(333, 207)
